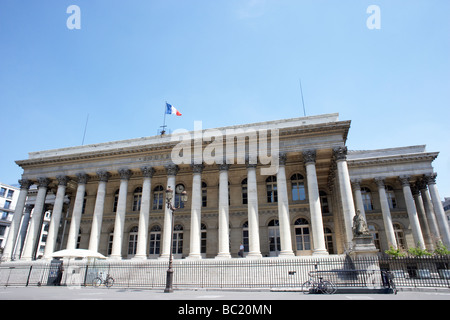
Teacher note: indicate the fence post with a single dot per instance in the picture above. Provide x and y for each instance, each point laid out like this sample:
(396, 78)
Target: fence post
(29, 275)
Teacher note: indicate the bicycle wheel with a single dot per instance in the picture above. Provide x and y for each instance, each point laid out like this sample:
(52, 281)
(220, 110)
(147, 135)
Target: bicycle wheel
(97, 282)
(308, 287)
(109, 282)
(328, 287)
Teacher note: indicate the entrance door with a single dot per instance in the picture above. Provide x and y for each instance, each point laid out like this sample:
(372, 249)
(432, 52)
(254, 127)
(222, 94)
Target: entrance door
(274, 238)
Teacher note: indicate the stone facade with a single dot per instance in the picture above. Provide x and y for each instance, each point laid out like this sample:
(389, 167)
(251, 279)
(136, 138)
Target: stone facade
(116, 194)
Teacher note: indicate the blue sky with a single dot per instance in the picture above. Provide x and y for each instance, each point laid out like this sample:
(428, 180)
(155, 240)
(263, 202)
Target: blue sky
(223, 62)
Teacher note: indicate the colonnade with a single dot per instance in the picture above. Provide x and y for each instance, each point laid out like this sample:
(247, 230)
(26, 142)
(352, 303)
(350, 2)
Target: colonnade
(416, 207)
(423, 205)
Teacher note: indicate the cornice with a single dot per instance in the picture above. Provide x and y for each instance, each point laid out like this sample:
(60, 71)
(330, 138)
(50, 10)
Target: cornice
(418, 157)
(137, 146)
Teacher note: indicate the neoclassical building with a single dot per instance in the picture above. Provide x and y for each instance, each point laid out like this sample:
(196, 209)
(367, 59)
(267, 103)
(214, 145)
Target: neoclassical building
(110, 197)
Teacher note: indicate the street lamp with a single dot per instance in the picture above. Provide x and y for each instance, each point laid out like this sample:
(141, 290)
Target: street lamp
(169, 197)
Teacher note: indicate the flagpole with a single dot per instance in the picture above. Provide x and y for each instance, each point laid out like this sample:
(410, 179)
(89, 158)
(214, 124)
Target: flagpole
(163, 131)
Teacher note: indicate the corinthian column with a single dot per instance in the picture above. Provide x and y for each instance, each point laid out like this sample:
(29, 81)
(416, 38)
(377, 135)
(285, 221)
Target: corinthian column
(15, 223)
(387, 219)
(309, 158)
(438, 209)
(77, 211)
(144, 214)
(97, 219)
(119, 223)
(283, 209)
(196, 212)
(412, 212)
(224, 222)
(253, 216)
(348, 209)
(36, 220)
(56, 216)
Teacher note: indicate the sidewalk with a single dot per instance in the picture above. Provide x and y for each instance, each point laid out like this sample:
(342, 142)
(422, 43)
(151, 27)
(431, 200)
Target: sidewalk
(83, 293)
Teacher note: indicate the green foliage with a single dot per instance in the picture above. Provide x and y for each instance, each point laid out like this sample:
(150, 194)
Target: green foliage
(419, 252)
(395, 253)
(441, 250)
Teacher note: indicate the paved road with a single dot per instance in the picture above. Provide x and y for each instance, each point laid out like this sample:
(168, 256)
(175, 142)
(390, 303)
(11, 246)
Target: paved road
(64, 293)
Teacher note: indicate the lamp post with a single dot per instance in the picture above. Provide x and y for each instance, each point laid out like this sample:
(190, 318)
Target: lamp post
(169, 197)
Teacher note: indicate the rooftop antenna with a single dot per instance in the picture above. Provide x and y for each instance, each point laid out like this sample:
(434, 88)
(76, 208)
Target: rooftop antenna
(303, 102)
(85, 127)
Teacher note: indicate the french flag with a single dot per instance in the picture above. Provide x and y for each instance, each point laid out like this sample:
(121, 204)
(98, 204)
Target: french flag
(171, 110)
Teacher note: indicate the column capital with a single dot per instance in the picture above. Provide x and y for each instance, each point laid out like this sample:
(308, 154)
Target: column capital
(103, 175)
(125, 174)
(172, 169)
(25, 183)
(422, 184)
(43, 182)
(147, 172)
(197, 168)
(309, 156)
(430, 178)
(404, 180)
(62, 180)
(340, 153)
(415, 189)
(356, 183)
(380, 182)
(82, 178)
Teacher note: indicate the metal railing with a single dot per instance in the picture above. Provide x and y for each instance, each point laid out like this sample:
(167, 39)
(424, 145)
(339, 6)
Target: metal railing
(236, 273)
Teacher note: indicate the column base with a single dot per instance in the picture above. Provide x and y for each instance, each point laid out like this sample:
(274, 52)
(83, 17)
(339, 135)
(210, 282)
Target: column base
(286, 254)
(320, 252)
(254, 255)
(116, 258)
(223, 256)
(140, 257)
(194, 256)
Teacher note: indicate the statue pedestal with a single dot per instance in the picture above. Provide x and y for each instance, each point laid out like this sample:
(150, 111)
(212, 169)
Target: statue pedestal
(363, 246)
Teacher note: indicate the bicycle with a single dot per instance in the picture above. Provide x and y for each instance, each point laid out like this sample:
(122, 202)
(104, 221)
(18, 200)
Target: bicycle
(321, 286)
(108, 281)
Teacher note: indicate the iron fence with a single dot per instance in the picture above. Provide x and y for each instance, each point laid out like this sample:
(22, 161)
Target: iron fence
(236, 273)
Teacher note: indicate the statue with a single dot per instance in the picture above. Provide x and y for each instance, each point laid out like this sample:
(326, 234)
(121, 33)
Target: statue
(360, 228)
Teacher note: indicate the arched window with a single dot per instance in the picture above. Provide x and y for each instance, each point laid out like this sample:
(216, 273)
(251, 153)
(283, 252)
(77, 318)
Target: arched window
(158, 197)
(324, 202)
(302, 234)
(132, 241)
(366, 195)
(116, 200)
(177, 239)
(244, 191)
(374, 232)
(204, 194)
(137, 198)
(274, 237)
(298, 187)
(155, 240)
(271, 189)
(328, 240)
(203, 238)
(245, 235)
(399, 236)
(391, 197)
